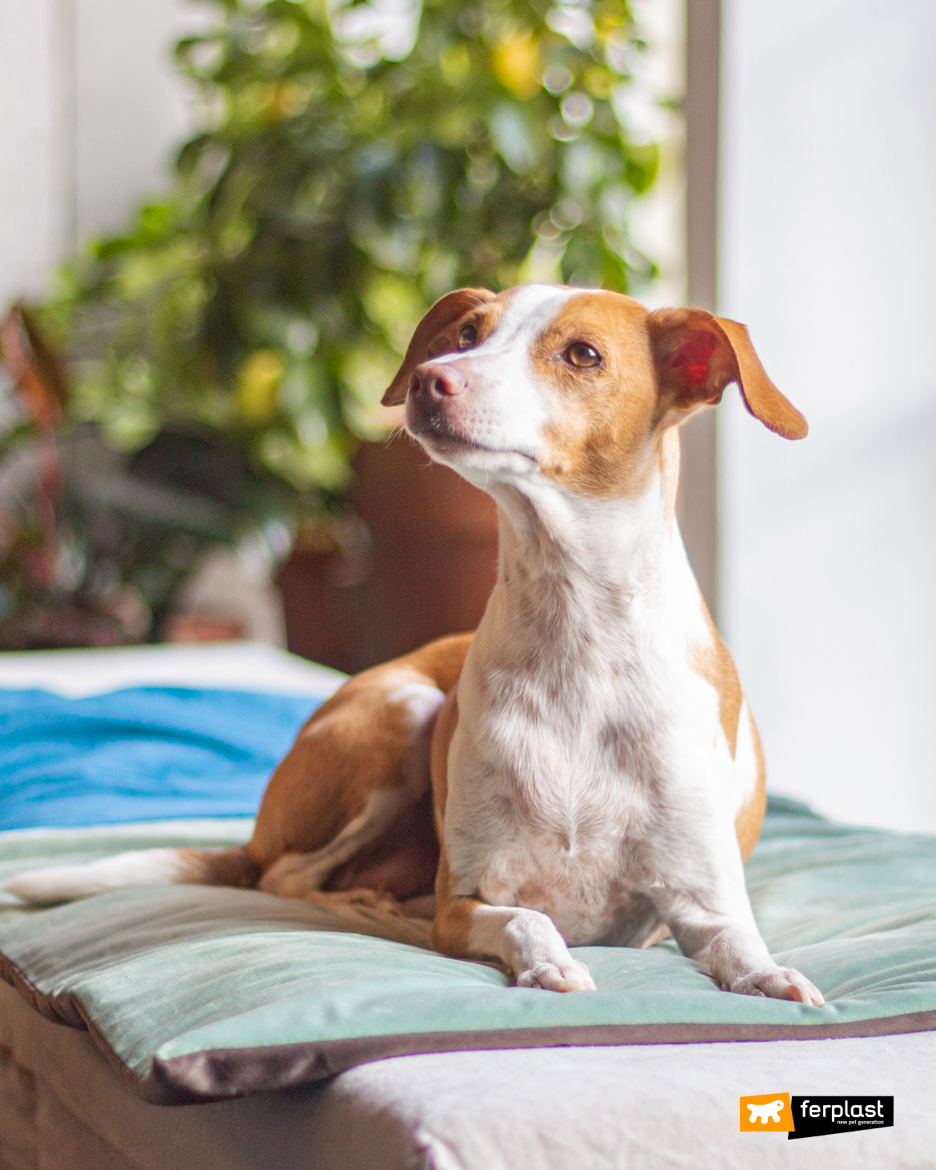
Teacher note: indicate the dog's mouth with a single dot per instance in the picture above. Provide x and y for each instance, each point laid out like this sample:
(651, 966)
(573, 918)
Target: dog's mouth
(438, 432)
(431, 429)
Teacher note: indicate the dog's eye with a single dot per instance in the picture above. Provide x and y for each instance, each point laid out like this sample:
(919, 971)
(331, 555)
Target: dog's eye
(467, 336)
(582, 356)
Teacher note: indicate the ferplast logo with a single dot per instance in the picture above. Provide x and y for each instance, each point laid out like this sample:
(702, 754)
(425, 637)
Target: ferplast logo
(767, 1113)
(803, 1117)
(813, 1116)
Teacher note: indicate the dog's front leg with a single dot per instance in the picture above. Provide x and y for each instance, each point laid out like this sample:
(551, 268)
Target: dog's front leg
(525, 941)
(739, 960)
(718, 930)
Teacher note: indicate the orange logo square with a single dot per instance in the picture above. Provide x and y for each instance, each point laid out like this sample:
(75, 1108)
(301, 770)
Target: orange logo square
(767, 1113)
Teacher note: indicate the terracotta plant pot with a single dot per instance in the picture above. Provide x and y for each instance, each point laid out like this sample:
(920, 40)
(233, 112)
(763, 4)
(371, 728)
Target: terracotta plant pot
(423, 566)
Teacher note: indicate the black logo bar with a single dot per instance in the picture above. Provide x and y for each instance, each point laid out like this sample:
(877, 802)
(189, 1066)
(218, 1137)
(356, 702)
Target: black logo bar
(813, 1116)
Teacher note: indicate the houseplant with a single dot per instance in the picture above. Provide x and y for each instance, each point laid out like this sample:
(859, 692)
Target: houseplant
(352, 166)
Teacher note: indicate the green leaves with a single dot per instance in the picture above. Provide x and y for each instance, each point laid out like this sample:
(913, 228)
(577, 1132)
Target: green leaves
(343, 182)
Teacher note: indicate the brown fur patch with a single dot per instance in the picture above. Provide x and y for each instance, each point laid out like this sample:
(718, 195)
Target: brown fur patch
(437, 333)
(354, 744)
(446, 722)
(403, 861)
(697, 355)
(714, 663)
(599, 445)
(441, 661)
(751, 814)
(485, 319)
(225, 867)
(761, 396)
(451, 927)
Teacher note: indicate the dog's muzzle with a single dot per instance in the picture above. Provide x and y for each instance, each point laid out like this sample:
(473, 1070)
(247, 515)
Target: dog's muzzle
(432, 389)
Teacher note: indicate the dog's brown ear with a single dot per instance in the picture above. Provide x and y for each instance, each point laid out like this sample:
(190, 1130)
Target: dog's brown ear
(444, 313)
(697, 355)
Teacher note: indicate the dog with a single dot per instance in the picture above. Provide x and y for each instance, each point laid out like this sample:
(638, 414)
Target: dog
(584, 769)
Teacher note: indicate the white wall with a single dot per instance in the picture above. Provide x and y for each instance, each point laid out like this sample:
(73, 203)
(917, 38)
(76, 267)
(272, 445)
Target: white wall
(133, 110)
(35, 158)
(90, 115)
(828, 254)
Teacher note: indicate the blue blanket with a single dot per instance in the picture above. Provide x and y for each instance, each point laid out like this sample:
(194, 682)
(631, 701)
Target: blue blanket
(144, 753)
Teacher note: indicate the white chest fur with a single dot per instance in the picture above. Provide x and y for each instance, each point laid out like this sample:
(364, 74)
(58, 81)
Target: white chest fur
(569, 790)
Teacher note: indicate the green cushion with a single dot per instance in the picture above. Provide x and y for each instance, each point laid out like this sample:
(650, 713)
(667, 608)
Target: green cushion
(201, 993)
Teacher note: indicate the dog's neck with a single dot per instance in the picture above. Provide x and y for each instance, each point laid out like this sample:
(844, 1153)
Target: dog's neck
(554, 538)
(583, 569)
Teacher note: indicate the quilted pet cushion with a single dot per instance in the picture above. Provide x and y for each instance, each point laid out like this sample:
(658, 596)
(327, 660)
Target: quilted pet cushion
(200, 994)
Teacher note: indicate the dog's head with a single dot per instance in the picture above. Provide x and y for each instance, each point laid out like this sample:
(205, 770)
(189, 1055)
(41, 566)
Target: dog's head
(576, 387)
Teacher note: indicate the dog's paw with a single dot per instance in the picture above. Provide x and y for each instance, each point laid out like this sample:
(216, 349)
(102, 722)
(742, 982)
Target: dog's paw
(339, 900)
(568, 976)
(779, 983)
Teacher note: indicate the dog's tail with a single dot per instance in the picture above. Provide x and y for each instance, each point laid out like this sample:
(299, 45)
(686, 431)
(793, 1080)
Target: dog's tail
(147, 867)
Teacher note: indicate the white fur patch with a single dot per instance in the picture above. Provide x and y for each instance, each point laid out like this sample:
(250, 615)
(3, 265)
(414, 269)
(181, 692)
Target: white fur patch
(148, 867)
(506, 411)
(531, 946)
(421, 701)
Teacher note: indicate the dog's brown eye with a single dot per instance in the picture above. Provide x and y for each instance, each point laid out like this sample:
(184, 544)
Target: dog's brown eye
(582, 356)
(467, 336)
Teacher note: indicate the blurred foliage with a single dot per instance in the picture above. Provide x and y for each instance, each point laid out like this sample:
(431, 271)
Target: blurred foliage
(357, 164)
(95, 542)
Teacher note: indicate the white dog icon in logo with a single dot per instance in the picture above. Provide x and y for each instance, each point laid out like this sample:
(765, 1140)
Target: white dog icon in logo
(762, 1112)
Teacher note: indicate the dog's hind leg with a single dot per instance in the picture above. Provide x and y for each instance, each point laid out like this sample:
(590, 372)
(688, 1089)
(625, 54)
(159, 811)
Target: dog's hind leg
(346, 803)
(298, 875)
(348, 812)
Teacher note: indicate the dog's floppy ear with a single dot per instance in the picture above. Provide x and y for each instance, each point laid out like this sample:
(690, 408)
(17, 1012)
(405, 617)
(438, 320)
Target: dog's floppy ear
(697, 355)
(443, 313)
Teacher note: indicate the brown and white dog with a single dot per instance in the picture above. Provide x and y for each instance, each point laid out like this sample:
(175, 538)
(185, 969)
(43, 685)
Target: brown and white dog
(596, 776)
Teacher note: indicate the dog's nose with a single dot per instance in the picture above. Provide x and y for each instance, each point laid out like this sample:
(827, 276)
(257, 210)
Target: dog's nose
(438, 381)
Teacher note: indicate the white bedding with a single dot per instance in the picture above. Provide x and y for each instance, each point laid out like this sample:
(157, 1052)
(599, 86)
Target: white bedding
(656, 1107)
(238, 666)
(659, 1107)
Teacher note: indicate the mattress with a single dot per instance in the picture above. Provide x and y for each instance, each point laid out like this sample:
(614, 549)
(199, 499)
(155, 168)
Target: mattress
(662, 1105)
